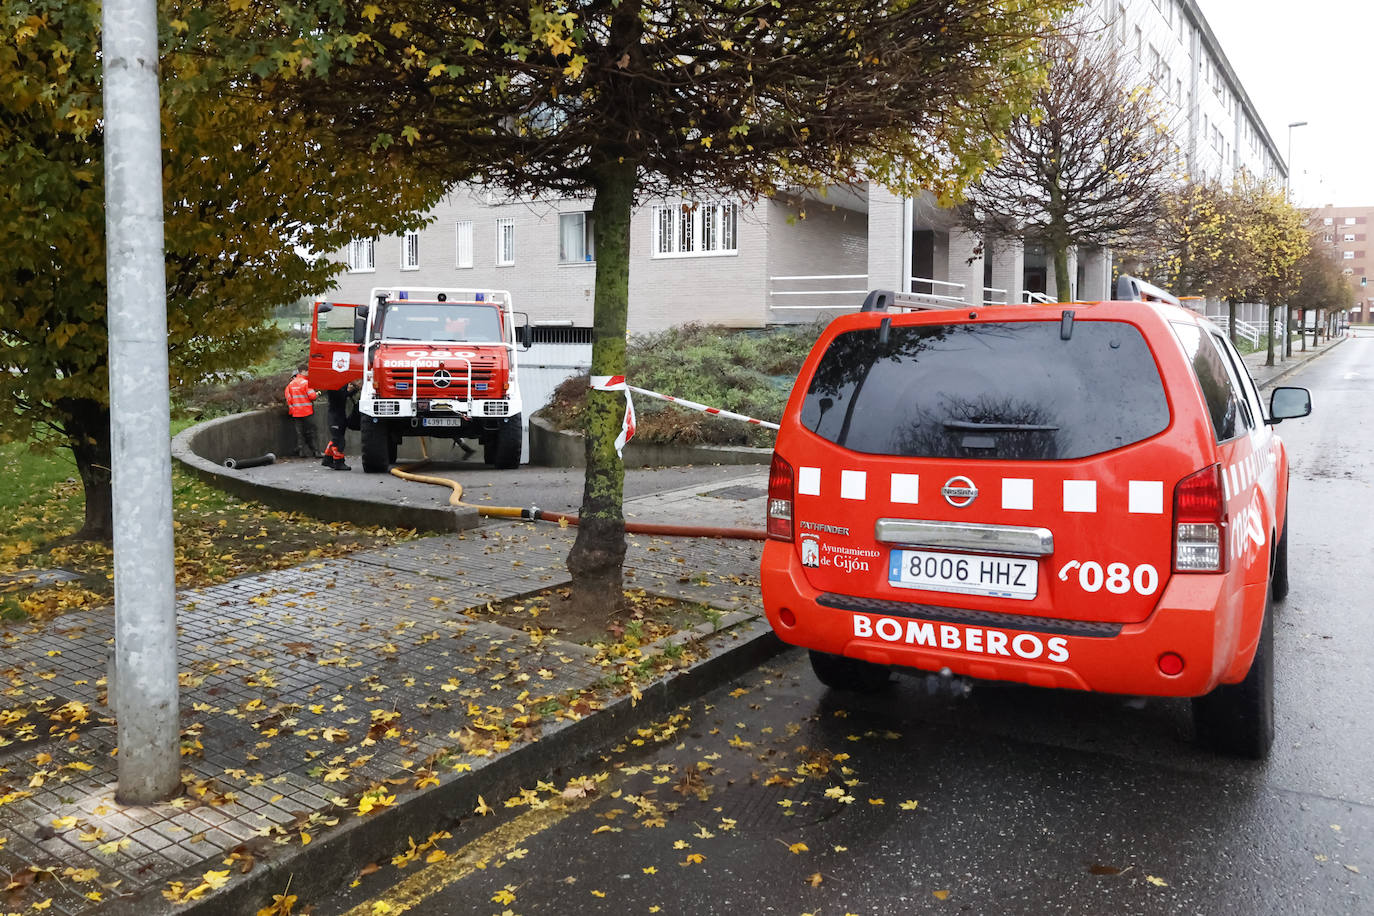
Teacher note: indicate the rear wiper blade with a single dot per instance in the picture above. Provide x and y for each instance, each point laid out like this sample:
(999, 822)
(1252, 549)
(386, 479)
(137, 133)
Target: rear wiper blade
(1000, 427)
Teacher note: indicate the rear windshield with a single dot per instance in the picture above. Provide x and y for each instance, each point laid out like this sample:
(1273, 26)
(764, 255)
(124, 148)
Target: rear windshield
(1010, 390)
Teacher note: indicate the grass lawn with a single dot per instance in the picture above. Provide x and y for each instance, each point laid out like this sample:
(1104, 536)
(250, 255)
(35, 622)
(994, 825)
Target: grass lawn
(217, 536)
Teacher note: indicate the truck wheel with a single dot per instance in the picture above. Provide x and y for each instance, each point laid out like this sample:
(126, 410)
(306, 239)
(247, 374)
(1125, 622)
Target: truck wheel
(1238, 719)
(377, 449)
(852, 674)
(508, 444)
(1278, 584)
(489, 449)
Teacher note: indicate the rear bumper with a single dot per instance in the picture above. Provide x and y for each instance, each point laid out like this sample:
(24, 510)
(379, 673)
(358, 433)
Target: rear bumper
(1105, 658)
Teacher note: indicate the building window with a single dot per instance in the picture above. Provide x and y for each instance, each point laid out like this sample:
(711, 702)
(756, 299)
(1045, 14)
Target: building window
(505, 242)
(410, 251)
(1347, 255)
(1349, 237)
(696, 228)
(462, 231)
(1327, 221)
(575, 245)
(361, 256)
(1350, 220)
(1364, 281)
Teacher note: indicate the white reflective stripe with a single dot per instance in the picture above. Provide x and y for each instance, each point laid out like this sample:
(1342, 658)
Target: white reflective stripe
(906, 488)
(1080, 496)
(1146, 497)
(1018, 493)
(808, 481)
(853, 484)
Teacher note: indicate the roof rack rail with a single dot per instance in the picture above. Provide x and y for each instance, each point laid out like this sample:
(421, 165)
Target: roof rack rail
(880, 300)
(1133, 289)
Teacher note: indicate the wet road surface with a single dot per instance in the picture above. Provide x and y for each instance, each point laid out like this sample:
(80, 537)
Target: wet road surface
(774, 795)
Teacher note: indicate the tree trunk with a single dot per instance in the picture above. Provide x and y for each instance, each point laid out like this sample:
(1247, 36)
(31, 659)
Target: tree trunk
(86, 424)
(1303, 329)
(1271, 311)
(1288, 331)
(597, 558)
(1063, 287)
(1231, 320)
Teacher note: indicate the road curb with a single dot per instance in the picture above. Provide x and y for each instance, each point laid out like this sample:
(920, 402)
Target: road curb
(338, 853)
(1309, 357)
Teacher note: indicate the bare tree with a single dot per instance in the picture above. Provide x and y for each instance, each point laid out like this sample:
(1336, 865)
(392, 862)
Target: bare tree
(1088, 165)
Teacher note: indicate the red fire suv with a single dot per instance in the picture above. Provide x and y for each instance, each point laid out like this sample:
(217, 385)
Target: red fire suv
(1088, 496)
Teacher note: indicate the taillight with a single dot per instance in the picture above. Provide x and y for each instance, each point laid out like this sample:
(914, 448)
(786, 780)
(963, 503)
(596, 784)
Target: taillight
(780, 489)
(1200, 523)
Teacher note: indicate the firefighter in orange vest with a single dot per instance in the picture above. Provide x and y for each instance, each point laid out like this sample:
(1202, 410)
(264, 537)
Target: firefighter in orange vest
(300, 399)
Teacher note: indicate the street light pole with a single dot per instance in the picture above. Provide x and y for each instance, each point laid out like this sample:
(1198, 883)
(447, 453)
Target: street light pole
(1288, 175)
(144, 684)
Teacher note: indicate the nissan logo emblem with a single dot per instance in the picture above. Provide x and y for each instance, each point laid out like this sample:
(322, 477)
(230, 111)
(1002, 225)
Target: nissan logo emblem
(441, 378)
(959, 492)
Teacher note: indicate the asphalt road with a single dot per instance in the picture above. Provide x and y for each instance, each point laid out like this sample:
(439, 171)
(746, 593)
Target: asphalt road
(773, 795)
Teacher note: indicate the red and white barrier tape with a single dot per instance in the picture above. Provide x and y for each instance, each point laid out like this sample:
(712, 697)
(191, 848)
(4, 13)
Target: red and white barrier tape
(715, 411)
(627, 427)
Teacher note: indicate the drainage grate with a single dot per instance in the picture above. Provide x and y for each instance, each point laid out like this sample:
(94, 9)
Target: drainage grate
(738, 492)
(26, 579)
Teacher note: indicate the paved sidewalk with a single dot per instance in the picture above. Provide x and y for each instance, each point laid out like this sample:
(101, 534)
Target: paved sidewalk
(315, 694)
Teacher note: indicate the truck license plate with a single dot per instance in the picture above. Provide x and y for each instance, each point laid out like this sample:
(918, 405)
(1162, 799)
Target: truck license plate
(968, 574)
(443, 421)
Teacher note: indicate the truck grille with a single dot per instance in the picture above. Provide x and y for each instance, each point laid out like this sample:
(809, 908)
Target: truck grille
(494, 408)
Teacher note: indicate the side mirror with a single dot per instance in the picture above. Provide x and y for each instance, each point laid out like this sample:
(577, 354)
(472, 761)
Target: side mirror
(323, 307)
(526, 335)
(360, 325)
(1289, 404)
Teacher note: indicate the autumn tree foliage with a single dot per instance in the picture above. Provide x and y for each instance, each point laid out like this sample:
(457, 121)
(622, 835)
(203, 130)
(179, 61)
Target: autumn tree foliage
(247, 191)
(1088, 164)
(625, 98)
(1322, 286)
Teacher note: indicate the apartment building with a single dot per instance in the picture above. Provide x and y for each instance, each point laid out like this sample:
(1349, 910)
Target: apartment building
(755, 263)
(1344, 233)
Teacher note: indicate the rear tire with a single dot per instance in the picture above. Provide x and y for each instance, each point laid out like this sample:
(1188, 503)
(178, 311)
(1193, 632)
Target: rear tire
(1279, 579)
(1238, 719)
(852, 674)
(376, 449)
(508, 444)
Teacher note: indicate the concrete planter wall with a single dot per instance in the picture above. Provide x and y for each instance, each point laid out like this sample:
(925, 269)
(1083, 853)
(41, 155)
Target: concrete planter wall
(561, 449)
(203, 448)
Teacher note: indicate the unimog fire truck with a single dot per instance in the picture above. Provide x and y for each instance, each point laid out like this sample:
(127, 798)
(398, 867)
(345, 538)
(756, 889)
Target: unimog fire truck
(432, 362)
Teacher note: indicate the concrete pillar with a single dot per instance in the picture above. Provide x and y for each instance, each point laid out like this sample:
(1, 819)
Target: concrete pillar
(886, 219)
(1097, 274)
(1051, 285)
(1008, 258)
(965, 266)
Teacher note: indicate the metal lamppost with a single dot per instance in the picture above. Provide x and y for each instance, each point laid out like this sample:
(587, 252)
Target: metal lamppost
(1289, 163)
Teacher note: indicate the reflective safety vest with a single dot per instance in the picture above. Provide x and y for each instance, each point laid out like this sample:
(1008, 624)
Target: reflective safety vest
(299, 397)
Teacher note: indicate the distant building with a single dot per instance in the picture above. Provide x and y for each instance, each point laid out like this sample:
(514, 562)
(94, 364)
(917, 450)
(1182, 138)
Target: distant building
(1344, 233)
(751, 264)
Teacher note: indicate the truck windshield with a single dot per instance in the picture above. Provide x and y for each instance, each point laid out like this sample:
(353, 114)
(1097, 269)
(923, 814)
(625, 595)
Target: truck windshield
(988, 390)
(441, 322)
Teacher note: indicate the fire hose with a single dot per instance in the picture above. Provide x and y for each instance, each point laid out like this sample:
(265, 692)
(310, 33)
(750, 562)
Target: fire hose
(242, 463)
(534, 513)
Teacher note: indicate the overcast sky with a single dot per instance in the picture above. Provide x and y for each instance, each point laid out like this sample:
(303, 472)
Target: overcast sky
(1302, 61)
